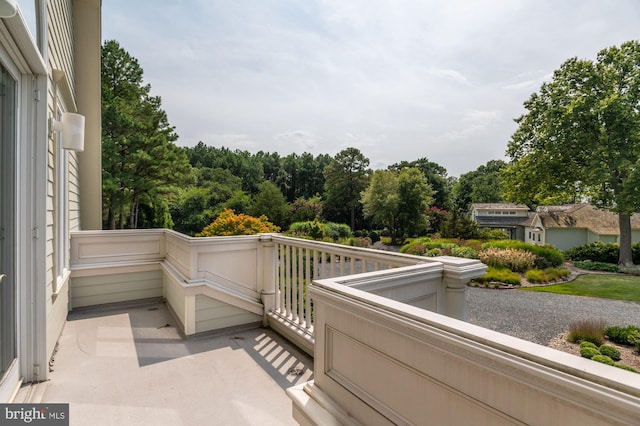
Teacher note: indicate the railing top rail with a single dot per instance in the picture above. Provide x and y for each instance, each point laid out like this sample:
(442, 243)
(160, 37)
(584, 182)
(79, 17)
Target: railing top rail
(357, 252)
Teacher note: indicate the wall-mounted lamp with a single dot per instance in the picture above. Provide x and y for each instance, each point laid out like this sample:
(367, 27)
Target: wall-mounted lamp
(72, 128)
(8, 8)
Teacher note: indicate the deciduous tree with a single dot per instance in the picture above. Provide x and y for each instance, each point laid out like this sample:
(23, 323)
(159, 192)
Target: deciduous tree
(581, 135)
(398, 201)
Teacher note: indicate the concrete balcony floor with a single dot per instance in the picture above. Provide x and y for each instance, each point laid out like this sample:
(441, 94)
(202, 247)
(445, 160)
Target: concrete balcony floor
(129, 366)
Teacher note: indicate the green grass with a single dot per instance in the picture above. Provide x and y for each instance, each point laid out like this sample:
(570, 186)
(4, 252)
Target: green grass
(619, 287)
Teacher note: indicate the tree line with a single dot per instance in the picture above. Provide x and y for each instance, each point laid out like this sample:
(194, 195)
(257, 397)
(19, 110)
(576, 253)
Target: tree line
(148, 181)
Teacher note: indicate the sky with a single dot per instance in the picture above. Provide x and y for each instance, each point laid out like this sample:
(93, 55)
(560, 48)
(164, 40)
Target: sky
(398, 79)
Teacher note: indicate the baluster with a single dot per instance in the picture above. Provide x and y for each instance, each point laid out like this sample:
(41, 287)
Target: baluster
(280, 293)
(301, 283)
(294, 283)
(287, 281)
(307, 296)
(332, 263)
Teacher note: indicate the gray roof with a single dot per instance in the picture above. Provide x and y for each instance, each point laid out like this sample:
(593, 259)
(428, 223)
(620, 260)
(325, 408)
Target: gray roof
(499, 206)
(601, 222)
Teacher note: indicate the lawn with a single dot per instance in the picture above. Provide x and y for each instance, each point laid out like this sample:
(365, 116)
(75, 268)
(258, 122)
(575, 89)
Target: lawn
(621, 287)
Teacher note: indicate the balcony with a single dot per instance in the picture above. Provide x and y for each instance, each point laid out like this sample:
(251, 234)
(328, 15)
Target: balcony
(236, 320)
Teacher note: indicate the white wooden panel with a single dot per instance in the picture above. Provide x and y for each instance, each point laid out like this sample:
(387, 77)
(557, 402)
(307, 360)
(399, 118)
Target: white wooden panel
(212, 314)
(239, 266)
(382, 361)
(97, 290)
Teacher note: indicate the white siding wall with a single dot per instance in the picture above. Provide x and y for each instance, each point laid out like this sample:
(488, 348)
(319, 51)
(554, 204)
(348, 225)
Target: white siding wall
(212, 314)
(60, 57)
(113, 288)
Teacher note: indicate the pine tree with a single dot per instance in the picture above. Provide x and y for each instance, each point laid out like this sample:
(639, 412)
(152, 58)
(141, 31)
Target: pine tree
(140, 161)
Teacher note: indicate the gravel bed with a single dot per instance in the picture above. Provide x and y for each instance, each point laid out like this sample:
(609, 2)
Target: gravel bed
(539, 317)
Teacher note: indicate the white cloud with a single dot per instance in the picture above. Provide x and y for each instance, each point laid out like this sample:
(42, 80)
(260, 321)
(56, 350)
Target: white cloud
(300, 140)
(399, 80)
(472, 124)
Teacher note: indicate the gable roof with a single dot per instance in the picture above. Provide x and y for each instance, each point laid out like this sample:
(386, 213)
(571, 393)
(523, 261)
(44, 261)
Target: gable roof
(601, 222)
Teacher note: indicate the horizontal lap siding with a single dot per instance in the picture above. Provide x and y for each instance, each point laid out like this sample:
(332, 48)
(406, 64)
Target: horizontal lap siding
(97, 290)
(212, 314)
(60, 57)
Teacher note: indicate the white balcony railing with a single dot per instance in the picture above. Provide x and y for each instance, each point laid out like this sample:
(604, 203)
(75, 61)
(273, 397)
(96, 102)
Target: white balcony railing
(376, 361)
(219, 282)
(380, 362)
(436, 284)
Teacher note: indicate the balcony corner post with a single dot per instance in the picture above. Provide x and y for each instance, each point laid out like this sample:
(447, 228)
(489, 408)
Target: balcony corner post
(456, 274)
(455, 294)
(269, 270)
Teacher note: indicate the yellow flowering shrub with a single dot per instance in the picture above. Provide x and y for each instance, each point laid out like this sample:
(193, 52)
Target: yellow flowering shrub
(228, 223)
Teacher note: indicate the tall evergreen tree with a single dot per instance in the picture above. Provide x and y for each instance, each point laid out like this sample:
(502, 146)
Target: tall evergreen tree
(140, 161)
(346, 176)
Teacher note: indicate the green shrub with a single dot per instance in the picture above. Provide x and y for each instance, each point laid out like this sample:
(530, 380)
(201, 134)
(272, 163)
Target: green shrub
(610, 351)
(434, 252)
(513, 259)
(551, 255)
(590, 329)
(416, 249)
(493, 234)
(417, 246)
(603, 359)
(313, 229)
(628, 335)
(590, 265)
(424, 246)
(360, 242)
(536, 276)
(474, 244)
(466, 252)
(626, 367)
(596, 251)
(588, 352)
(547, 275)
(336, 230)
(601, 252)
(499, 275)
(587, 344)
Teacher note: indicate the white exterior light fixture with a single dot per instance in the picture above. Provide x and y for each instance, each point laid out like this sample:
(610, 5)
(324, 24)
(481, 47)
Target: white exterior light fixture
(72, 128)
(8, 8)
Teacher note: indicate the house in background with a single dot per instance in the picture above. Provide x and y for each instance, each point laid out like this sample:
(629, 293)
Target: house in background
(51, 171)
(573, 225)
(508, 217)
(563, 226)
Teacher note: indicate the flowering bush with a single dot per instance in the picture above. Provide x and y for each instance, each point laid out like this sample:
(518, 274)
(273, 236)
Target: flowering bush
(228, 223)
(513, 259)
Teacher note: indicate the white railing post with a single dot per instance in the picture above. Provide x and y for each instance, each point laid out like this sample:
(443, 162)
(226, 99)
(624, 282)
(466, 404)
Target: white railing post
(457, 273)
(269, 279)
